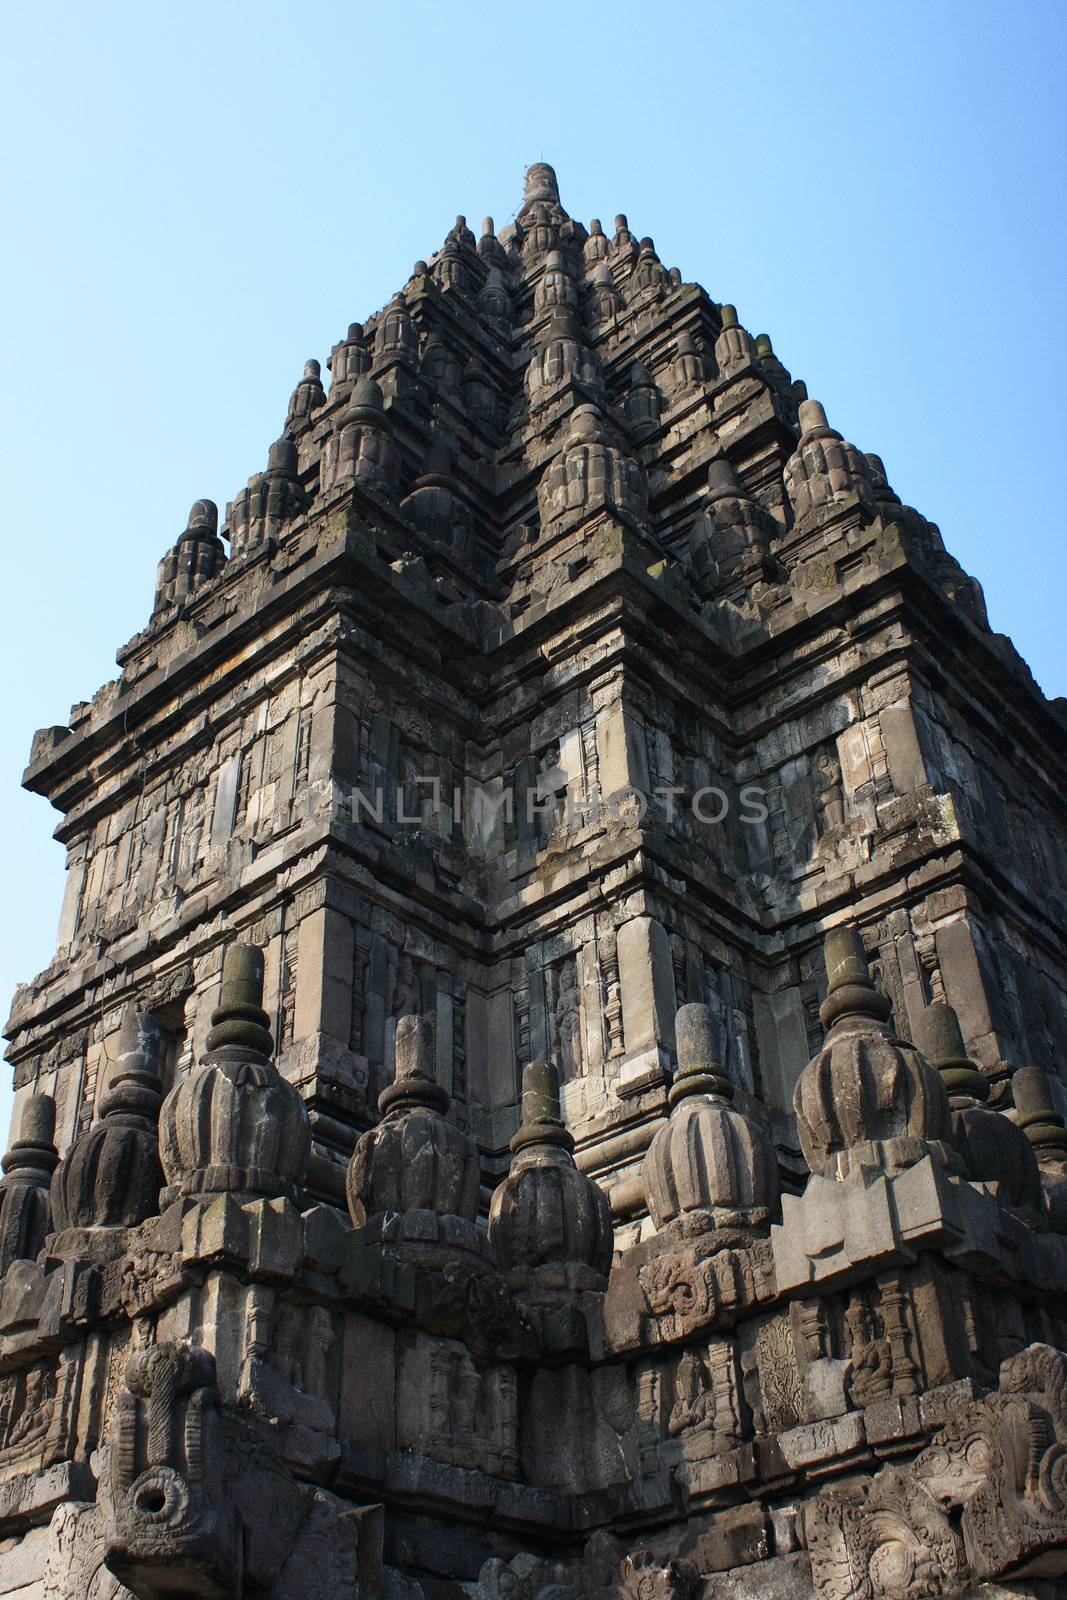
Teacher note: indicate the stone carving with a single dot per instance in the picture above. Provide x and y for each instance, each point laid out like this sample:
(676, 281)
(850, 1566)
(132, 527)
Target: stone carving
(27, 1401)
(234, 1125)
(172, 1523)
(416, 1166)
(110, 1176)
(568, 1017)
(986, 1497)
(74, 1568)
(870, 1357)
(710, 1168)
(560, 526)
(825, 471)
(867, 1098)
(641, 1577)
(706, 1397)
(548, 1222)
(194, 560)
(529, 1577)
(25, 1212)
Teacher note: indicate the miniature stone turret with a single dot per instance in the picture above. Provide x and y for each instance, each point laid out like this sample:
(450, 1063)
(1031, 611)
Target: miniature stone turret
(556, 286)
(396, 338)
(450, 270)
(733, 347)
(993, 1148)
(233, 1125)
(460, 235)
(596, 247)
(824, 472)
(195, 559)
(1037, 1115)
(776, 373)
(431, 505)
(414, 1179)
(604, 300)
(592, 471)
(549, 1224)
(271, 500)
(361, 449)
(623, 244)
(439, 366)
(710, 1170)
(732, 533)
(494, 301)
(489, 247)
(307, 397)
(561, 356)
(868, 1100)
(649, 275)
(479, 400)
(349, 361)
(643, 401)
(110, 1176)
(25, 1213)
(687, 368)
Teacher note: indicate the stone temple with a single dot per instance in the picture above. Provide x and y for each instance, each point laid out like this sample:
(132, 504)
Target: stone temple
(551, 1085)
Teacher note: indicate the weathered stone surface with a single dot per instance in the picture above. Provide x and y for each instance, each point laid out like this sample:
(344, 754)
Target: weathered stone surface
(455, 856)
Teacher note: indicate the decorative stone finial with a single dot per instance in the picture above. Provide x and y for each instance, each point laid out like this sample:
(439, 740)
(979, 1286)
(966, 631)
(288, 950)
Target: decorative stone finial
(196, 556)
(203, 520)
(239, 1021)
(234, 1125)
(644, 402)
(25, 1214)
(414, 1180)
(940, 1038)
(868, 1100)
(710, 1170)
(993, 1149)
(812, 417)
(852, 1001)
(308, 395)
(270, 501)
(1036, 1111)
(699, 1069)
(540, 184)
(1039, 1118)
(590, 472)
(415, 1081)
(548, 1223)
(110, 1177)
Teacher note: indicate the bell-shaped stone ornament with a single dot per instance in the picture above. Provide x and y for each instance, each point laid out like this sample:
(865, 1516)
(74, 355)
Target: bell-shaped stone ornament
(824, 471)
(25, 1212)
(868, 1101)
(993, 1149)
(110, 1176)
(549, 1224)
(413, 1181)
(710, 1170)
(307, 397)
(234, 1125)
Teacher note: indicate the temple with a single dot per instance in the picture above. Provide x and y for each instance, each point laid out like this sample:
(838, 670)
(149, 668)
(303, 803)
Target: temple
(551, 1085)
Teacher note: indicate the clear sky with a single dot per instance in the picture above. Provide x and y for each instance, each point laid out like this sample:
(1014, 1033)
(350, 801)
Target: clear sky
(199, 197)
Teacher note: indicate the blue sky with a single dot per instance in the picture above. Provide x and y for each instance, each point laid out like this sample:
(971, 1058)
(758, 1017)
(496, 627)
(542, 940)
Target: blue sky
(200, 197)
